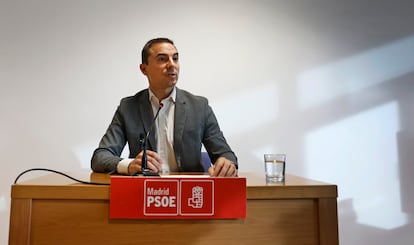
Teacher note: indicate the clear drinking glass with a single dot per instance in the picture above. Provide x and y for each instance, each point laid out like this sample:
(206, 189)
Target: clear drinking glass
(275, 165)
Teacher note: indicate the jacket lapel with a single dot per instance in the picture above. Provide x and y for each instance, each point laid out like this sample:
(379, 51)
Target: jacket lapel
(146, 116)
(179, 122)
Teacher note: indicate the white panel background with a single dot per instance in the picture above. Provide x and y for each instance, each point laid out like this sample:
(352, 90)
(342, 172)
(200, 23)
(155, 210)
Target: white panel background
(329, 83)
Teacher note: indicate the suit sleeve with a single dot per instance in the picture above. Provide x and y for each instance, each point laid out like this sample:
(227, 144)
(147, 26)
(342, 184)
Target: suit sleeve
(107, 156)
(214, 140)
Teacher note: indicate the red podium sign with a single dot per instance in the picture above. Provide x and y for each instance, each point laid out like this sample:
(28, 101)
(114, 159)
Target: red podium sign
(177, 198)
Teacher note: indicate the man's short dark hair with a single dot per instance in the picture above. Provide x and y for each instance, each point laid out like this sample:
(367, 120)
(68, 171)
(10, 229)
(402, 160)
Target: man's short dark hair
(145, 50)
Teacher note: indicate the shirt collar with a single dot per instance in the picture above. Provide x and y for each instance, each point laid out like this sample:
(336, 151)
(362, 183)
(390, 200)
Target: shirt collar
(172, 97)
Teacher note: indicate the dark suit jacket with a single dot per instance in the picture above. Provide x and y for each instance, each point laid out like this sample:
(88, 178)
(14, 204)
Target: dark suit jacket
(195, 124)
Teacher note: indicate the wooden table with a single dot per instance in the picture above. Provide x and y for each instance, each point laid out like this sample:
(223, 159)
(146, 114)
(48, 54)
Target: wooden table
(55, 210)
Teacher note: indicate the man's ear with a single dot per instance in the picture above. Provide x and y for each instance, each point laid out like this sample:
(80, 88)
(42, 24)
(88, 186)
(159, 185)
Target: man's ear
(143, 69)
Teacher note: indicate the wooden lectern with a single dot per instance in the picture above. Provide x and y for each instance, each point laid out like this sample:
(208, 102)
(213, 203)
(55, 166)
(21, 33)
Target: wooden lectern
(55, 210)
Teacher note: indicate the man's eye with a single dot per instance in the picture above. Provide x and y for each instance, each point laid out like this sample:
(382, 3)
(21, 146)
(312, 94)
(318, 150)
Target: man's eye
(162, 59)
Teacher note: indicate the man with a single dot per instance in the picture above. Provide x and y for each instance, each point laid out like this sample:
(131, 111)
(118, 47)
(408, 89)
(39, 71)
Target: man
(184, 123)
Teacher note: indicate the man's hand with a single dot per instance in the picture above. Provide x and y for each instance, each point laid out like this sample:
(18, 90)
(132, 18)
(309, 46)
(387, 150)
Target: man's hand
(153, 162)
(223, 168)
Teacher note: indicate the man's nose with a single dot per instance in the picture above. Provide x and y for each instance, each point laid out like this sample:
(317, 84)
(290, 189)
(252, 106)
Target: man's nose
(171, 62)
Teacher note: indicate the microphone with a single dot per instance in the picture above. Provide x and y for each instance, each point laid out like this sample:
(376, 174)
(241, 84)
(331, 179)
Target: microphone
(144, 160)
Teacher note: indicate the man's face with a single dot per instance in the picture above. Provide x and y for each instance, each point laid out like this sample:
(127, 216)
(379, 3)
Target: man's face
(163, 67)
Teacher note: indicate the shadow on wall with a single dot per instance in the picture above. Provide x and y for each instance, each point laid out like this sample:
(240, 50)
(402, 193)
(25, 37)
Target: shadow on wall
(353, 230)
(354, 233)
